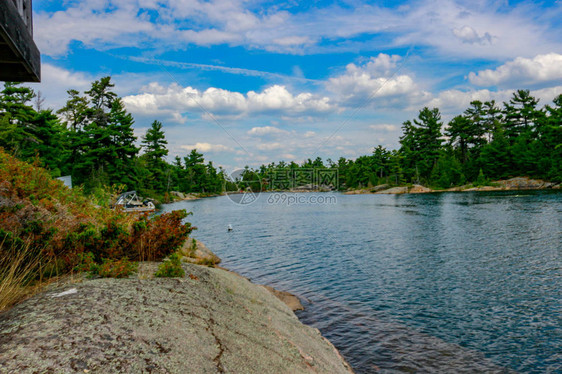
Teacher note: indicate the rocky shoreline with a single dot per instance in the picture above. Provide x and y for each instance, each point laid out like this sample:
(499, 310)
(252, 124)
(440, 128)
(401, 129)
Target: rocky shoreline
(513, 184)
(210, 321)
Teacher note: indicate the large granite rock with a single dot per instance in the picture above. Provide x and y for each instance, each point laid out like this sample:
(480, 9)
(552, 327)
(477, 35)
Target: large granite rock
(196, 252)
(418, 188)
(394, 191)
(211, 321)
(524, 183)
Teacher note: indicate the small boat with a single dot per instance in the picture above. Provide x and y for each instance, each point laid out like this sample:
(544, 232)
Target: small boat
(131, 202)
(229, 228)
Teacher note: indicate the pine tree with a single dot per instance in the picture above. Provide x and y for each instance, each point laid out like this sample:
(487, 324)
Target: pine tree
(154, 145)
(459, 134)
(16, 117)
(122, 142)
(520, 114)
(422, 141)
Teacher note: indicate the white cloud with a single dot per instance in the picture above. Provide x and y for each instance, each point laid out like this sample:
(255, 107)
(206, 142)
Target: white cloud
(492, 29)
(55, 81)
(270, 146)
(384, 127)
(288, 157)
(468, 35)
(375, 81)
(173, 101)
(278, 98)
(521, 72)
(91, 23)
(456, 101)
(293, 40)
(208, 37)
(266, 130)
(207, 147)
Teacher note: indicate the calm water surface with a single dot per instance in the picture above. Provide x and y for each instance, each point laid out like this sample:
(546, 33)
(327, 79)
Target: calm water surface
(450, 282)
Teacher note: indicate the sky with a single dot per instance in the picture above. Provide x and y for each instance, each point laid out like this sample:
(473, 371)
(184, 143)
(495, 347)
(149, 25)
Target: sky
(249, 82)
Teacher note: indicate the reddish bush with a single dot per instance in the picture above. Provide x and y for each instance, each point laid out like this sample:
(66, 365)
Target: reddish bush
(63, 224)
(156, 238)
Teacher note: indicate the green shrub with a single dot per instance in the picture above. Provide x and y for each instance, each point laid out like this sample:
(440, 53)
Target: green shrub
(170, 268)
(193, 248)
(481, 180)
(114, 268)
(85, 262)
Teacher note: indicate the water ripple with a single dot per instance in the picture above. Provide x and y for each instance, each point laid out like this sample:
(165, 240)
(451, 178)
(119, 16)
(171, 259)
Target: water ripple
(452, 282)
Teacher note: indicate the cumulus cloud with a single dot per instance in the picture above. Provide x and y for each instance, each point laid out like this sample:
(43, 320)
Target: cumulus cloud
(207, 147)
(266, 130)
(173, 101)
(374, 80)
(456, 101)
(521, 72)
(278, 98)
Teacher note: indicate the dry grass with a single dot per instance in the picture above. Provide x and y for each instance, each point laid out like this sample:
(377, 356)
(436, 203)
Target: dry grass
(18, 275)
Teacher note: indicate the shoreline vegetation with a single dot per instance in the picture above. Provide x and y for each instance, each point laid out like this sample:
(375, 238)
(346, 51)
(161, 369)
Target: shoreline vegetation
(512, 184)
(92, 140)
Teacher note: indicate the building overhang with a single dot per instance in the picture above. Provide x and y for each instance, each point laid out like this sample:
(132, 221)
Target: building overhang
(20, 60)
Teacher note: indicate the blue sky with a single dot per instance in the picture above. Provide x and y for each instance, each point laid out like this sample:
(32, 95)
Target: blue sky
(251, 82)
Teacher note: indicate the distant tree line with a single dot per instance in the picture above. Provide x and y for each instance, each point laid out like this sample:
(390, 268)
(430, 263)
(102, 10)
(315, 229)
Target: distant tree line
(483, 143)
(91, 138)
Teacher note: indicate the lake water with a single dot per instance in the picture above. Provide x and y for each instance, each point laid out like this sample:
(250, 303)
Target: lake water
(449, 282)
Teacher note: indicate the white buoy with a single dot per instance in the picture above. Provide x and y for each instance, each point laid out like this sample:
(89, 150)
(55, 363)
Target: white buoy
(230, 227)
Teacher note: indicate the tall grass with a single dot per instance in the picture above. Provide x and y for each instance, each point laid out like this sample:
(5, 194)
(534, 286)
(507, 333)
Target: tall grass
(21, 273)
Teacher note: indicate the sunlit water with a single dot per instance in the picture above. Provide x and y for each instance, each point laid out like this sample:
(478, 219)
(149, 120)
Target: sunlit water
(450, 282)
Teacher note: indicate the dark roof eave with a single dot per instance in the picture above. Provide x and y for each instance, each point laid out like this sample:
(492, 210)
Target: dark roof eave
(20, 60)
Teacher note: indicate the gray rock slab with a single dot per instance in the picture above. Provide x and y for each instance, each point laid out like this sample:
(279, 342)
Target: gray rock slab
(211, 321)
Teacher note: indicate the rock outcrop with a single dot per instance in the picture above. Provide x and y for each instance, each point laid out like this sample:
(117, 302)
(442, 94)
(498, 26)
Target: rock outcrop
(524, 183)
(418, 188)
(197, 253)
(513, 184)
(211, 321)
(394, 190)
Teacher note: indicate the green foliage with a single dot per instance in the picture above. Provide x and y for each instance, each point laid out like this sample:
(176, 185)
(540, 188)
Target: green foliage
(110, 268)
(481, 180)
(447, 172)
(93, 140)
(85, 262)
(170, 268)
